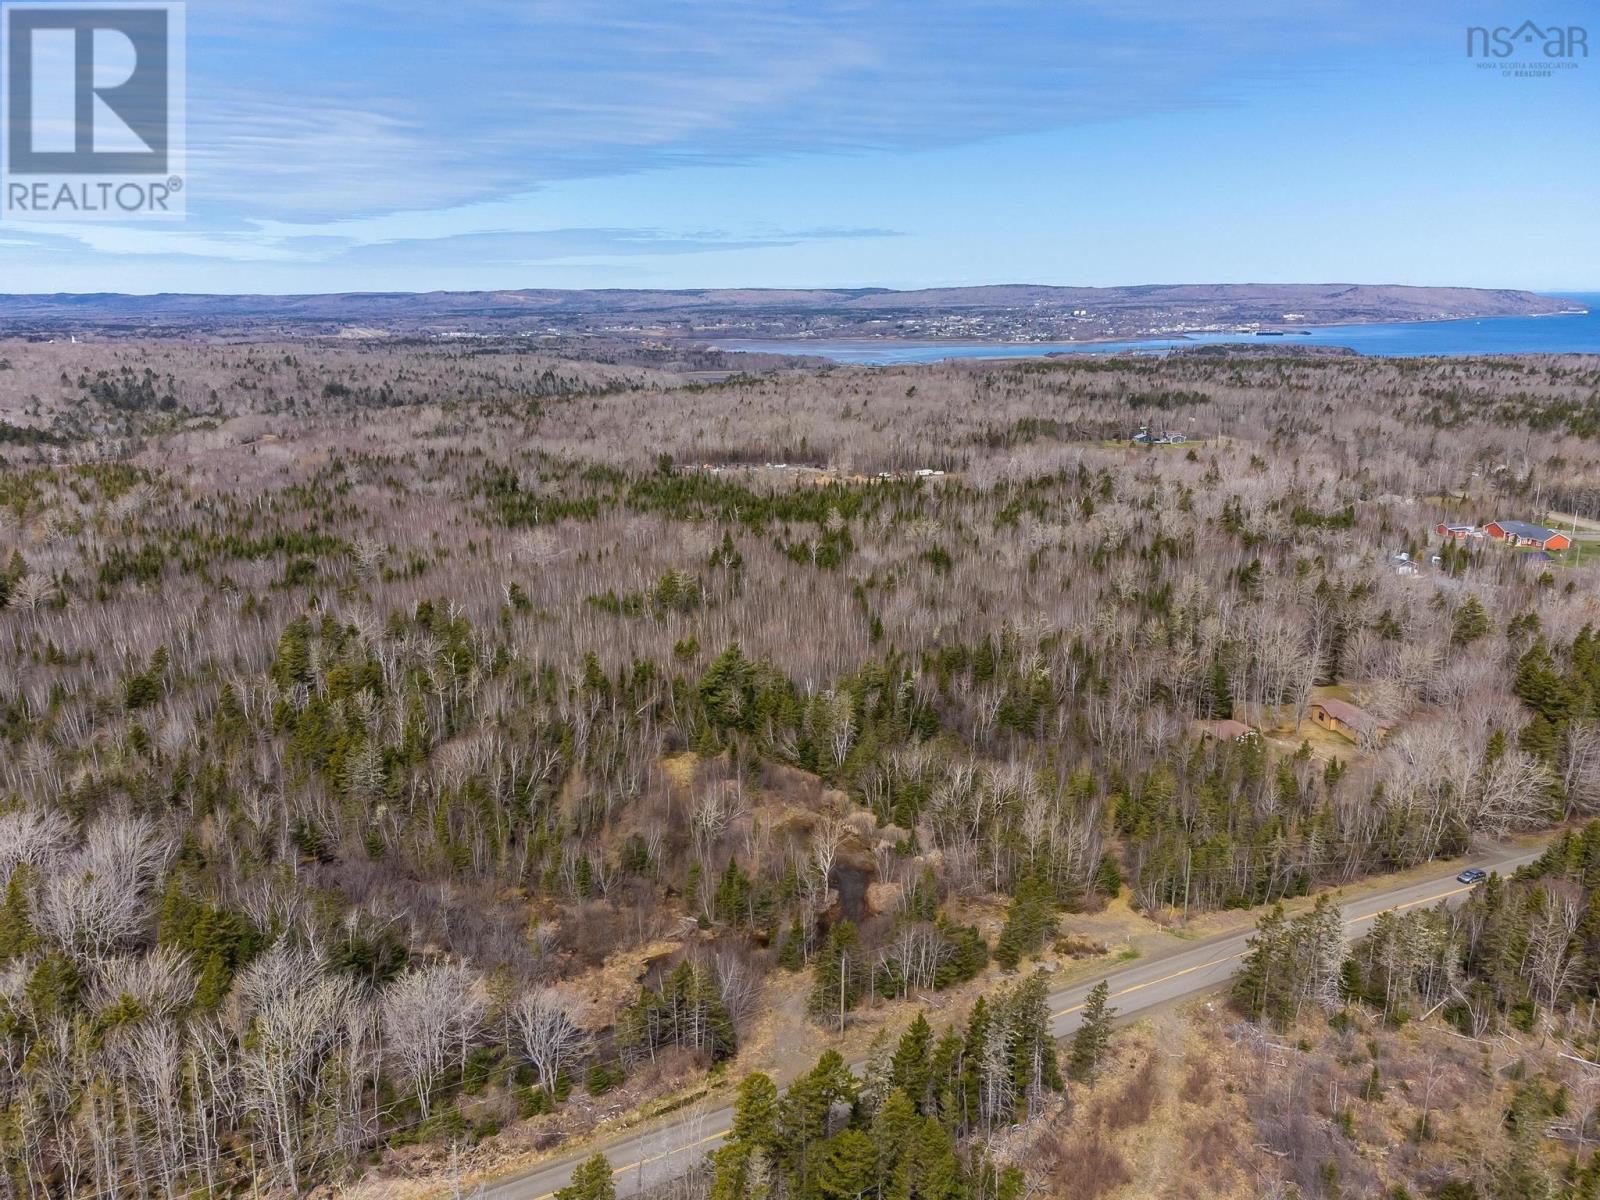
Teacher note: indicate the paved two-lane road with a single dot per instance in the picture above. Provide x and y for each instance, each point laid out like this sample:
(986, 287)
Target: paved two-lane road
(640, 1160)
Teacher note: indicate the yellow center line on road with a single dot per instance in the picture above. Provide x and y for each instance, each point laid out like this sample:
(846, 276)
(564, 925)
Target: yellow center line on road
(1152, 982)
(1231, 957)
(632, 1166)
(644, 1162)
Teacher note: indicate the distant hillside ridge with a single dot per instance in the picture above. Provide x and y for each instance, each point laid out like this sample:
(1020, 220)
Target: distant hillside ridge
(1006, 309)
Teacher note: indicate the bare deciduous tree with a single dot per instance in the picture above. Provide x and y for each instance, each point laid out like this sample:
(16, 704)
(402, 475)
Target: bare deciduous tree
(549, 1033)
(430, 1017)
(98, 898)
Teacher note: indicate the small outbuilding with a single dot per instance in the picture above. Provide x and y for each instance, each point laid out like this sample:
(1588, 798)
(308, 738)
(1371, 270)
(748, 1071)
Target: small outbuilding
(1458, 533)
(1521, 533)
(1347, 720)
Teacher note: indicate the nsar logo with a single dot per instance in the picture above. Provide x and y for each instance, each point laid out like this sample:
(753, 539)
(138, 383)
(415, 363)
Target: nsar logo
(1529, 50)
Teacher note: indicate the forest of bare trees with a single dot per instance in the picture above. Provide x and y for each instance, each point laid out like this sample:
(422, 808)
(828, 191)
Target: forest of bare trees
(362, 706)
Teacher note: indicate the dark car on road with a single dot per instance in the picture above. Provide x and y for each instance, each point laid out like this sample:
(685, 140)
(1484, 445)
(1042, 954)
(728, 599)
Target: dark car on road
(1472, 875)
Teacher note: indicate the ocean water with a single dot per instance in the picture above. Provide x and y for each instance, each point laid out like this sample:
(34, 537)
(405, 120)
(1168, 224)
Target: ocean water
(1568, 334)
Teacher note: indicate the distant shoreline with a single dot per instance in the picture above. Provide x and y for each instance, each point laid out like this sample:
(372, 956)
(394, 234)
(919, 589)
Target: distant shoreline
(865, 340)
(1489, 335)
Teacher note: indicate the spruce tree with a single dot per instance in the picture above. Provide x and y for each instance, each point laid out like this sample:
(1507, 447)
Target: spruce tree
(1030, 920)
(970, 1083)
(892, 1132)
(755, 1113)
(1219, 696)
(591, 1180)
(1469, 623)
(804, 1116)
(1108, 877)
(913, 1060)
(1263, 987)
(848, 1167)
(803, 1122)
(931, 1171)
(17, 935)
(792, 953)
(718, 1034)
(1093, 1036)
(1034, 1066)
(837, 986)
(739, 1173)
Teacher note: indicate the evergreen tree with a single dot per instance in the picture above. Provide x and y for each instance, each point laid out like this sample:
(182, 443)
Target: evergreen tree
(1219, 697)
(1030, 920)
(805, 1115)
(1034, 1066)
(968, 1087)
(911, 1068)
(1320, 952)
(1108, 877)
(742, 1170)
(930, 1170)
(740, 1173)
(837, 987)
(687, 1011)
(946, 1086)
(727, 690)
(17, 935)
(848, 1167)
(792, 953)
(755, 1113)
(591, 1180)
(892, 1132)
(1093, 1036)
(1469, 623)
(1292, 963)
(1262, 987)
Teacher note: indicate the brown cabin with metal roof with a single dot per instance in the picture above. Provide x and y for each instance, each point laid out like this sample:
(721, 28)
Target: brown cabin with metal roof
(1347, 720)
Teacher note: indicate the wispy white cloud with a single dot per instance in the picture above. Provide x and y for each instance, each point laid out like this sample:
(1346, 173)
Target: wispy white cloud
(319, 110)
(544, 247)
(128, 238)
(505, 138)
(501, 247)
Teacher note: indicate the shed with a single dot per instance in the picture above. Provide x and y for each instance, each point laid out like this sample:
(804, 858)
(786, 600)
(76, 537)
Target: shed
(1348, 720)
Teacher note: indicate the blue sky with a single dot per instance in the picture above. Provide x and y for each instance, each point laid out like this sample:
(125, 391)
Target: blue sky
(400, 145)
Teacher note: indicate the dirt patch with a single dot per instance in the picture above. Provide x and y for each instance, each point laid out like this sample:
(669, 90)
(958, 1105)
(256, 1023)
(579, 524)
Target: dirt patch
(679, 768)
(612, 987)
(1141, 1129)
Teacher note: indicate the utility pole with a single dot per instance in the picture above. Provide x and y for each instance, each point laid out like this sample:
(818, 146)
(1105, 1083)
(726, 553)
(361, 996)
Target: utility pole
(843, 961)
